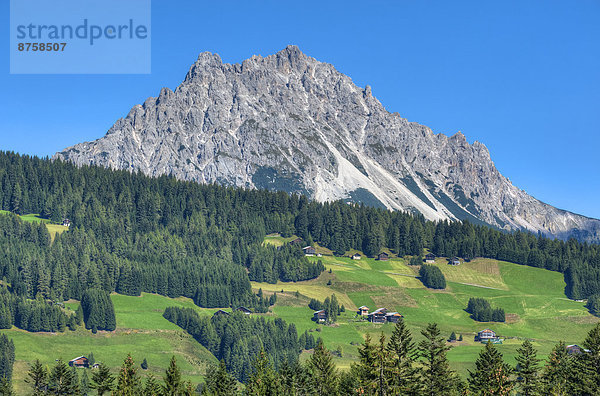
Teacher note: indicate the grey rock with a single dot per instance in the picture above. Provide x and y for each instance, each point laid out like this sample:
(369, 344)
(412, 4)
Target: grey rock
(290, 122)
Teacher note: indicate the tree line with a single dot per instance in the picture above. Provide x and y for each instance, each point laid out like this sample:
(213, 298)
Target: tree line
(432, 277)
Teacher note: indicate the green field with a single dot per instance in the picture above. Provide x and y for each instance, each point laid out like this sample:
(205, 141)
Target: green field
(53, 229)
(533, 299)
(141, 331)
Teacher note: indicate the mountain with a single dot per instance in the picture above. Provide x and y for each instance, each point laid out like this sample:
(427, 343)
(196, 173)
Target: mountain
(289, 122)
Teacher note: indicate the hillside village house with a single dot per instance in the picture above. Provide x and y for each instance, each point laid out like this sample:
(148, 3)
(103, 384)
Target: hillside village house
(66, 223)
(296, 242)
(221, 312)
(383, 256)
(454, 261)
(486, 335)
(309, 251)
(576, 350)
(79, 362)
(363, 311)
(244, 310)
(356, 256)
(393, 317)
(378, 316)
(430, 258)
(319, 316)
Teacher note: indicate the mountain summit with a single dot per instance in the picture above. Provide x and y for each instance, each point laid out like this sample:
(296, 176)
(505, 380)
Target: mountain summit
(289, 122)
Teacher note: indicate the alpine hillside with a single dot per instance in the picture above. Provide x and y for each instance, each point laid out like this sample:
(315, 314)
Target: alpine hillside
(289, 122)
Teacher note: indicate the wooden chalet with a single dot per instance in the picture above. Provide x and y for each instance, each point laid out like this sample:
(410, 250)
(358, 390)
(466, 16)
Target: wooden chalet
(244, 310)
(378, 316)
(363, 311)
(66, 222)
(356, 256)
(319, 316)
(383, 256)
(309, 251)
(576, 350)
(296, 242)
(220, 312)
(79, 362)
(393, 317)
(486, 335)
(430, 258)
(454, 261)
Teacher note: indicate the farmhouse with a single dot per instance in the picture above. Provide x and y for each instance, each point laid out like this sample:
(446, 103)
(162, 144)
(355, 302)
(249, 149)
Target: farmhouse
(244, 310)
(378, 316)
(383, 256)
(220, 312)
(393, 317)
(309, 251)
(454, 261)
(296, 242)
(356, 256)
(486, 335)
(430, 258)
(79, 362)
(363, 311)
(576, 350)
(319, 316)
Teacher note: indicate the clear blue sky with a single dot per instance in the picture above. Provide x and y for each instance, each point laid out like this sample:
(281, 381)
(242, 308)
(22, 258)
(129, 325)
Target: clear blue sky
(522, 77)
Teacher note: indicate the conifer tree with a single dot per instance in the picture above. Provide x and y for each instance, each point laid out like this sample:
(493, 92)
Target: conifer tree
(527, 370)
(263, 381)
(491, 375)
(365, 371)
(37, 378)
(152, 386)
(102, 380)
(323, 371)
(437, 378)
(6, 388)
(586, 367)
(84, 383)
(128, 382)
(557, 372)
(219, 382)
(62, 380)
(172, 379)
(402, 354)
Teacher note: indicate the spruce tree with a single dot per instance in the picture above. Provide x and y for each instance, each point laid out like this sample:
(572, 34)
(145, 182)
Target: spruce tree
(491, 375)
(557, 372)
(172, 379)
(37, 378)
(437, 378)
(402, 354)
(152, 387)
(586, 367)
(219, 382)
(323, 371)
(527, 370)
(102, 380)
(6, 388)
(365, 371)
(62, 380)
(84, 383)
(128, 382)
(263, 381)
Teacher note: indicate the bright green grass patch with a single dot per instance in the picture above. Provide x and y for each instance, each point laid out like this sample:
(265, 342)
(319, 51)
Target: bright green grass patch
(278, 240)
(53, 229)
(309, 289)
(141, 331)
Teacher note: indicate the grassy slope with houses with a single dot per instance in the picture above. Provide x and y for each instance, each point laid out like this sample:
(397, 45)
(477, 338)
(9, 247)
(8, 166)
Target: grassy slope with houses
(533, 298)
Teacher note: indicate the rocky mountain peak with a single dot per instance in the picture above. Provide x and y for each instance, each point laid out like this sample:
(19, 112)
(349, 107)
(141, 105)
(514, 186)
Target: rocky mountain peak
(289, 122)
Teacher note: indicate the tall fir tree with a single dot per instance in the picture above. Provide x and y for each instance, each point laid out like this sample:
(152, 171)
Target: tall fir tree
(128, 381)
(37, 378)
(491, 375)
(403, 354)
(264, 380)
(172, 380)
(152, 387)
(102, 380)
(437, 378)
(557, 372)
(527, 370)
(323, 372)
(62, 380)
(219, 382)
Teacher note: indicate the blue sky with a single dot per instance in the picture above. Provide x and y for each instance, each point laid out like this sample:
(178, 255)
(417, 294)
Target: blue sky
(521, 77)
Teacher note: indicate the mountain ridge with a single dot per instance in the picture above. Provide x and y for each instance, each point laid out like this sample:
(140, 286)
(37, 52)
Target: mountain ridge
(289, 122)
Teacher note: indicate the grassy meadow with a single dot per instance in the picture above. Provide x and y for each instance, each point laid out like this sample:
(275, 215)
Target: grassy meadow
(533, 299)
(53, 229)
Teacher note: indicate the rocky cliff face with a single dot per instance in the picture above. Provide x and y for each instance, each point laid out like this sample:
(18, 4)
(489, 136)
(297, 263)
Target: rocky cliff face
(288, 122)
